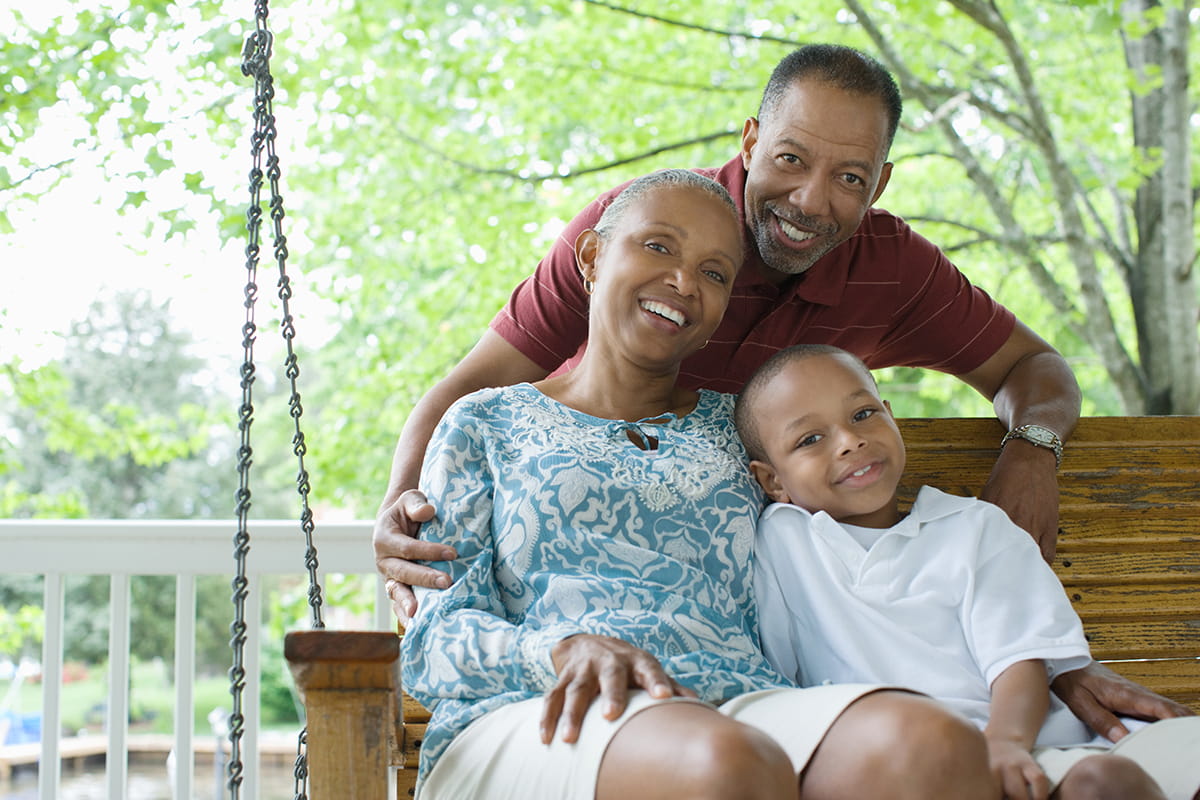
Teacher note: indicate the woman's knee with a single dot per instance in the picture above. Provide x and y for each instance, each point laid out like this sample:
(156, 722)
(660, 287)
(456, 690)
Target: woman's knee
(1107, 777)
(690, 751)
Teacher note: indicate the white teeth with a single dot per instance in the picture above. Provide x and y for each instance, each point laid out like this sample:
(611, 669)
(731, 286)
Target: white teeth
(862, 471)
(794, 233)
(664, 311)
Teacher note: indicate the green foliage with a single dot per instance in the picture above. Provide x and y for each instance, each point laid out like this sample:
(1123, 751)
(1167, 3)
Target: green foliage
(84, 83)
(431, 152)
(20, 630)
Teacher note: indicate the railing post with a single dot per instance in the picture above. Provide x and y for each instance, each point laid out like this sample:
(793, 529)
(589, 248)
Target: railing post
(54, 605)
(351, 687)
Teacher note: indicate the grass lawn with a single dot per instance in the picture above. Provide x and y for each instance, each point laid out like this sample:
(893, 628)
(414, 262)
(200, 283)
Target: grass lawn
(151, 702)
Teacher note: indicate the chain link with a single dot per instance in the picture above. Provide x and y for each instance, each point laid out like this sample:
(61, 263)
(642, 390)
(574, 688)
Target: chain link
(256, 57)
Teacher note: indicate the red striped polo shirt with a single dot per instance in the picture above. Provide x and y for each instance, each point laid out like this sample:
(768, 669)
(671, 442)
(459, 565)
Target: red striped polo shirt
(887, 294)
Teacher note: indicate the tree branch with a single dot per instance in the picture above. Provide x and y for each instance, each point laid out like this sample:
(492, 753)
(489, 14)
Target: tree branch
(1101, 328)
(521, 177)
(38, 171)
(692, 26)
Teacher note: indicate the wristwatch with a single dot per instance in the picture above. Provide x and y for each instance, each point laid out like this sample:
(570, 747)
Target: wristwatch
(1037, 435)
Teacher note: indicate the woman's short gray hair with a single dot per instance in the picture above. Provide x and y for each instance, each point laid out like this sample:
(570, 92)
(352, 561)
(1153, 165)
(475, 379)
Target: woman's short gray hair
(647, 183)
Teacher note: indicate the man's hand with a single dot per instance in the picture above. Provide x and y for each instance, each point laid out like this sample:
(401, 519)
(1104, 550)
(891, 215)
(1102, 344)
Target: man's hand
(589, 666)
(1097, 695)
(397, 546)
(1024, 483)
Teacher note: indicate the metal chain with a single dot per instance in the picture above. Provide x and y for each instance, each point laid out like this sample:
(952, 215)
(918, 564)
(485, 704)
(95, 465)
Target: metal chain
(256, 57)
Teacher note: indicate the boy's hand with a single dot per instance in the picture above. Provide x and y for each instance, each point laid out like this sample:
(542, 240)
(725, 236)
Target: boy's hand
(1016, 771)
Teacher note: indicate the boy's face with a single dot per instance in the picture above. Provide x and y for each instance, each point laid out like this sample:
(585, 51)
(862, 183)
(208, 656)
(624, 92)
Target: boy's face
(831, 443)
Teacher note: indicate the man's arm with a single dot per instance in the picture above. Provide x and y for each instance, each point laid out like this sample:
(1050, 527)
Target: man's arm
(1028, 382)
(492, 362)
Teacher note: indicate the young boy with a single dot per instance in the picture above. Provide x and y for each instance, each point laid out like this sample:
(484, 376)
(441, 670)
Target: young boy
(952, 599)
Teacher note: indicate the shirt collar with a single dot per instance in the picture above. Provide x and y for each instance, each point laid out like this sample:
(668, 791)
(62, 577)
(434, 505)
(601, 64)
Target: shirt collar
(931, 504)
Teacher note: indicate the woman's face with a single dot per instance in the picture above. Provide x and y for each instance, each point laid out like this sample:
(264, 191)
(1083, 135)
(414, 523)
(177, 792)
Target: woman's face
(663, 275)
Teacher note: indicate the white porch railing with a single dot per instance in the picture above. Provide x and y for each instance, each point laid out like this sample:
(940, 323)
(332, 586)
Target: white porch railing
(186, 549)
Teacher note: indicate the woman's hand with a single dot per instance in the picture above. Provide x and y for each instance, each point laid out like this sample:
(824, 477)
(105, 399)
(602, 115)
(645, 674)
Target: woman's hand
(589, 665)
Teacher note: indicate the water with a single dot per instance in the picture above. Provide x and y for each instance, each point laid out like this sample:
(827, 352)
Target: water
(146, 782)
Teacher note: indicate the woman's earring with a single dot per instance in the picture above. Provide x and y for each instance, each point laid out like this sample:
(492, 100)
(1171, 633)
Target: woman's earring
(588, 286)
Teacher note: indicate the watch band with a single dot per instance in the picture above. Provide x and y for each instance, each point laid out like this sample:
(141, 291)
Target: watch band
(1038, 436)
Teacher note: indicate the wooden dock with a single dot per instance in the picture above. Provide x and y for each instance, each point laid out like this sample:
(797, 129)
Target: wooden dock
(75, 751)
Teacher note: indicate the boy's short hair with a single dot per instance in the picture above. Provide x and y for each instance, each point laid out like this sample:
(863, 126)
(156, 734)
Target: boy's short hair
(743, 411)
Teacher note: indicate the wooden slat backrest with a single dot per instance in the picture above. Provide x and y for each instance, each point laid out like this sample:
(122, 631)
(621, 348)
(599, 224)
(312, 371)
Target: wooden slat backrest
(1129, 540)
(1128, 549)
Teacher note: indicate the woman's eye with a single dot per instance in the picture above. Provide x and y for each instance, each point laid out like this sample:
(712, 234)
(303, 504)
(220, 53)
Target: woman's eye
(657, 247)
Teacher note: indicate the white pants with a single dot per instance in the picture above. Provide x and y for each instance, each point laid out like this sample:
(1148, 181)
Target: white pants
(501, 756)
(1168, 750)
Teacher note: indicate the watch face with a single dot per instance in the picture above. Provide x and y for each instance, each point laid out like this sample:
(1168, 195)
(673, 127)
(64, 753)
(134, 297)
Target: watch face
(1040, 435)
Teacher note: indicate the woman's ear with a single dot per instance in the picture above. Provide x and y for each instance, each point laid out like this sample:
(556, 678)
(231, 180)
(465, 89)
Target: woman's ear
(587, 244)
(768, 479)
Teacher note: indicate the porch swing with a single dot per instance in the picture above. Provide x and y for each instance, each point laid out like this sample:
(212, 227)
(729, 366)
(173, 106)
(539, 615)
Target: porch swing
(1127, 556)
(349, 680)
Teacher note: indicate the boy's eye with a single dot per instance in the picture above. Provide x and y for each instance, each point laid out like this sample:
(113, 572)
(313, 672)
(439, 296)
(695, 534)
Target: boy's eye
(862, 414)
(810, 440)
(657, 247)
(716, 275)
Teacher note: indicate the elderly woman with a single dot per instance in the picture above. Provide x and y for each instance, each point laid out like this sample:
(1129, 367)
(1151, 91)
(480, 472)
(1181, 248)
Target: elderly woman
(599, 639)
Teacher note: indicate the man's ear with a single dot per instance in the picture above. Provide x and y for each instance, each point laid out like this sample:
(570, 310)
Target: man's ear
(885, 175)
(749, 139)
(587, 244)
(768, 479)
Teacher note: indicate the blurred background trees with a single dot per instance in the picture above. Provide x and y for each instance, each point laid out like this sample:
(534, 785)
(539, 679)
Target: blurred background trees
(432, 151)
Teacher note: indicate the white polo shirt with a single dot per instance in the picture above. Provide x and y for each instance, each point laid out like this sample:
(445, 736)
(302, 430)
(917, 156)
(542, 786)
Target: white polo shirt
(942, 603)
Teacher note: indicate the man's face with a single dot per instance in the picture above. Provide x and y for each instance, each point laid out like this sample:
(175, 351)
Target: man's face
(815, 166)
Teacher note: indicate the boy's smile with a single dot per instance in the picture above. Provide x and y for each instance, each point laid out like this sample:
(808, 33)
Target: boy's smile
(830, 441)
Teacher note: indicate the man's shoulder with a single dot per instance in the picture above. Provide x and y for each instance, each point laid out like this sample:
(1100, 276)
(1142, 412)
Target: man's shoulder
(879, 223)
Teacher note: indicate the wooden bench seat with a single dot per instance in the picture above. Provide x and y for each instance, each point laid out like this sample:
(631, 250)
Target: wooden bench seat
(1128, 557)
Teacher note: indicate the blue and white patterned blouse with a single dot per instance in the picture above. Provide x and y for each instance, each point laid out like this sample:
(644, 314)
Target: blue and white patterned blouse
(564, 526)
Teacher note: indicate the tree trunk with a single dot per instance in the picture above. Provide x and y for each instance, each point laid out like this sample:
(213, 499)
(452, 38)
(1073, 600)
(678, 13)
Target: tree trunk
(1162, 287)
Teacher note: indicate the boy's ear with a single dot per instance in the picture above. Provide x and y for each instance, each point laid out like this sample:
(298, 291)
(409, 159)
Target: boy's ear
(888, 406)
(768, 479)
